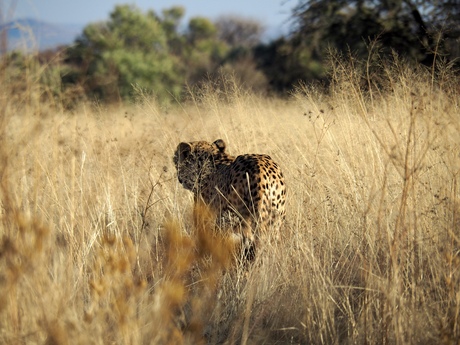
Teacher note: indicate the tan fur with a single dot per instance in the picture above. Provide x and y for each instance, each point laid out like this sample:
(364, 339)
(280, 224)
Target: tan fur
(248, 190)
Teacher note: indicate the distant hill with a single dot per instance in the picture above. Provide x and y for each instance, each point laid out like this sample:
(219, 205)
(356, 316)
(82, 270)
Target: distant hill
(32, 34)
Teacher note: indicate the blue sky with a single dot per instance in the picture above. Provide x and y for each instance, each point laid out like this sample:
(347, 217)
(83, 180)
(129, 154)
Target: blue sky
(271, 13)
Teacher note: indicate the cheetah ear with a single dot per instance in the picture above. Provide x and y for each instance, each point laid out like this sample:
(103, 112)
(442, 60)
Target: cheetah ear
(184, 150)
(220, 144)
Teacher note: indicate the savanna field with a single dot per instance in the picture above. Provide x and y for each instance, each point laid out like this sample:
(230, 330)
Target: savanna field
(100, 244)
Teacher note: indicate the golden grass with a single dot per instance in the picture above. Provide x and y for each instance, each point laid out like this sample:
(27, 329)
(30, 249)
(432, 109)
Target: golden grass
(100, 244)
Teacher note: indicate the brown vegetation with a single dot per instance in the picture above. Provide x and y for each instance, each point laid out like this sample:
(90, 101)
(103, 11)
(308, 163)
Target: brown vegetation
(100, 244)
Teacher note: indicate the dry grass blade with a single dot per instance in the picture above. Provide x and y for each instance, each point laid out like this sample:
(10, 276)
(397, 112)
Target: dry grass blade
(370, 251)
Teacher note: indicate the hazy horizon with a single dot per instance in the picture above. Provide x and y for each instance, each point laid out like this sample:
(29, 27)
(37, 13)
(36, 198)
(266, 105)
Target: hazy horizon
(273, 14)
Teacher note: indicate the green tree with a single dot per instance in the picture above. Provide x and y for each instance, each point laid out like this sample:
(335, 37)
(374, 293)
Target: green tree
(286, 62)
(131, 48)
(200, 29)
(420, 30)
(409, 27)
(203, 52)
(242, 35)
(170, 21)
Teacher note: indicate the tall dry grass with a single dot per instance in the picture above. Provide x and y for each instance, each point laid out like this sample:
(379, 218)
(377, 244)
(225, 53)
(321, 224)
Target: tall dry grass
(100, 244)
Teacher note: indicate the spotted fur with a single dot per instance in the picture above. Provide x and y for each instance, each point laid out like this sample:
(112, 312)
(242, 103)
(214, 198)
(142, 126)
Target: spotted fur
(249, 188)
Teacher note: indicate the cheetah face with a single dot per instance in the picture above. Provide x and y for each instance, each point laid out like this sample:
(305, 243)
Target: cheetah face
(195, 160)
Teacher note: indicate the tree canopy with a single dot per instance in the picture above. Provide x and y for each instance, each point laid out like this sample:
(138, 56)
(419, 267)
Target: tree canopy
(159, 54)
(131, 48)
(149, 51)
(418, 30)
(414, 28)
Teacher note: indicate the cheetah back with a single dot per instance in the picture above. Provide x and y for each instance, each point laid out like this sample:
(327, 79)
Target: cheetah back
(257, 190)
(250, 186)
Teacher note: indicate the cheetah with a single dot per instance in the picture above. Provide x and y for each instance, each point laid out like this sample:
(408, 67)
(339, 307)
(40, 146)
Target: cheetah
(248, 190)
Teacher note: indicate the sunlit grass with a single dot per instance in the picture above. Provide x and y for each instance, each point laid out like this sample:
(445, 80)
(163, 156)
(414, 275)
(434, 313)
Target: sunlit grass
(100, 243)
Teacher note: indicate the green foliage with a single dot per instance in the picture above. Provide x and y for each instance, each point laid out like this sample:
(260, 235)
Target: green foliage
(170, 22)
(201, 28)
(30, 80)
(131, 48)
(133, 30)
(411, 28)
(287, 62)
(143, 51)
(159, 54)
(172, 18)
(202, 58)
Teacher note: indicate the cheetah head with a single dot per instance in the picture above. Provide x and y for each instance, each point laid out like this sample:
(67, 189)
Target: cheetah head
(195, 160)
